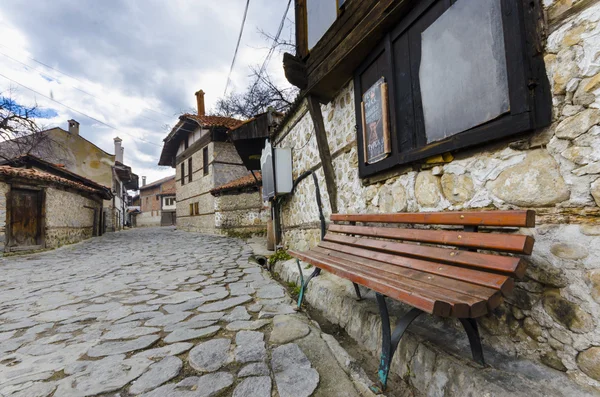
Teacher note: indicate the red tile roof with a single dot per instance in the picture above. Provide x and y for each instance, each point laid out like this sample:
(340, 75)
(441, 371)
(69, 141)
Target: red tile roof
(214, 121)
(243, 182)
(35, 175)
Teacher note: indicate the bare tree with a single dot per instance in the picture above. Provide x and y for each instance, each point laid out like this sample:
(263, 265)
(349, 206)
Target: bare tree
(261, 94)
(19, 132)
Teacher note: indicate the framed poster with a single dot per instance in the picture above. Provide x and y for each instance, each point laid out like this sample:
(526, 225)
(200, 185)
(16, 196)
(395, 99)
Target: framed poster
(376, 122)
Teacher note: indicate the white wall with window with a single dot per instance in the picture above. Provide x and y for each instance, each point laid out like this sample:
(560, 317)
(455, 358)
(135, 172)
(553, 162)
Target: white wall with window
(169, 203)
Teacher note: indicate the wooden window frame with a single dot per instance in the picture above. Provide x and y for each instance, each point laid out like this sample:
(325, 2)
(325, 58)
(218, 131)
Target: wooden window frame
(191, 209)
(302, 24)
(190, 170)
(196, 208)
(205, 161)
(529, 95)
(182, 173)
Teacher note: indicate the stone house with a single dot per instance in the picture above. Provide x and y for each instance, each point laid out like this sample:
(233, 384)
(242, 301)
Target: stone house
(239, 208)
(157, 203)
(518, 128)
(203, 158)
(83, 158)
(47, 209)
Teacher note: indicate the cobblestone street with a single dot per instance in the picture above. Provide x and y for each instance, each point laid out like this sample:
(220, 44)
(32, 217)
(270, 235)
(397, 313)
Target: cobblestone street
(158, 313)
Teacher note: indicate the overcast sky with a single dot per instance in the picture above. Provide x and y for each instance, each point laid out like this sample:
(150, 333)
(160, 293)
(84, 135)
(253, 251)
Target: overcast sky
(142, 61)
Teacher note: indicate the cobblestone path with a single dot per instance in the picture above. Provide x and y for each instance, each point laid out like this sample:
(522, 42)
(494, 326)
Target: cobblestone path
(157, 313)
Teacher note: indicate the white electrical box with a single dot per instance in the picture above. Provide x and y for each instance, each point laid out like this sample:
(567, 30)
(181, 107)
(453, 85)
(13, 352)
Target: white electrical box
(276, 169)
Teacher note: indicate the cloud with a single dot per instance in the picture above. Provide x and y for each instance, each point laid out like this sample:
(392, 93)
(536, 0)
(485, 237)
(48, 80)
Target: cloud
(131, 65)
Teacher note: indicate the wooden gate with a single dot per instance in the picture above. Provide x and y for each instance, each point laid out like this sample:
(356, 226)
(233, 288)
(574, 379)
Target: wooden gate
(26, 219)
(167, 219)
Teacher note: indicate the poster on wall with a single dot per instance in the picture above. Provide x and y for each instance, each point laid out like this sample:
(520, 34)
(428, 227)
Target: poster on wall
(376, 123)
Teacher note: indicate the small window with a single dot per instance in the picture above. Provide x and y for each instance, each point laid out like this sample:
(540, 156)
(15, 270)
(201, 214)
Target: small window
(182, 174)
(197, 208)
(205, 160)
(186, 143)
(191, 209)
(190, 170)
(157, 197)
(320, 15)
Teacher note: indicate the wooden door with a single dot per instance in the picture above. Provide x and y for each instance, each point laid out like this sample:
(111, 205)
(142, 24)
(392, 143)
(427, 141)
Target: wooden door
(26, 218)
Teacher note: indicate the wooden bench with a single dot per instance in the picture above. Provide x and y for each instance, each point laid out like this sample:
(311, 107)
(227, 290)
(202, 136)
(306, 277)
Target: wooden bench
(456, 272)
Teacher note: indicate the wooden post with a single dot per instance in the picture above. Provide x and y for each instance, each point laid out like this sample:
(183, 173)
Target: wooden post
(314, 107)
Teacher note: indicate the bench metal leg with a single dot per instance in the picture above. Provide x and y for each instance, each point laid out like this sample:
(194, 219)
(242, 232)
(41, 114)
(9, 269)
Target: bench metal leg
(357, 290)
(470, 326)
(303, 283)
(389, 340)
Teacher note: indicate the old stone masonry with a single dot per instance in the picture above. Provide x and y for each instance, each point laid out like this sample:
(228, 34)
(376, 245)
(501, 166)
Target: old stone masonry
(158, 313)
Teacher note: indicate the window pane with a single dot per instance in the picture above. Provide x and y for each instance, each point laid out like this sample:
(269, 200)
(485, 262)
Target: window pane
(463, 75)
(320, 14)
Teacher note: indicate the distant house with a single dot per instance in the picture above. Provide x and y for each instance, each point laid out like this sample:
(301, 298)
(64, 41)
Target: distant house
(157, 203)
(82, 157)
(198, 148)
(46, 209)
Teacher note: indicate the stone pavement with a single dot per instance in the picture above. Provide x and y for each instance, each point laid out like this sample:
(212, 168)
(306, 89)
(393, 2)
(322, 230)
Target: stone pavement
(159, 313)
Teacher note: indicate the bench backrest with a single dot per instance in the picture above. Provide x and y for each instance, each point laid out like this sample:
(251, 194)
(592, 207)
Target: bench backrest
(362, 240)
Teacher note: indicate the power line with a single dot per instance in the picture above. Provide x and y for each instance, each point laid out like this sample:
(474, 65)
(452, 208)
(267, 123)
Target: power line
(70, 76)
(237, 46)
(80, 112)
(272, 49)
(78, 89)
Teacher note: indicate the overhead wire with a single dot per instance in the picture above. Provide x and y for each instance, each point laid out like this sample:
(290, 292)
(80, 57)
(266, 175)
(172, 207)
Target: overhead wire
(272, 49)
(70, 76)
(80, 112)
(78, 89)
(237, 47)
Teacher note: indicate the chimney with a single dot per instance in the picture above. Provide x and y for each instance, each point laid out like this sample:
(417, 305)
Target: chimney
(143, 181)
(118, 150)
(73, 127)
(200, 101)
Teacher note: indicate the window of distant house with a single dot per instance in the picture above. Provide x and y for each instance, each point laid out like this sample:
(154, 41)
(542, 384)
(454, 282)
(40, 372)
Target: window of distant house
(182, 174)
(157, 198)
(169, 201)
(436, 84)
(191, 209)
(205, 160)
(190, 172)
(186, 142)
(197, 208)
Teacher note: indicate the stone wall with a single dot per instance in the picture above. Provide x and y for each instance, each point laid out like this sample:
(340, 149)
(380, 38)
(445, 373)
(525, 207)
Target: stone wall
(148, 219)
(241, 213)
(552, 316)
(225, 166)
(197, 191)
(67, 219)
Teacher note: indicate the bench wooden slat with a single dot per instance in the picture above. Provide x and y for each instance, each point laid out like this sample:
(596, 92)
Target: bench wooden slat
(468, 218)
(479, 298)
(508, 265)
(461, 305)
(421, 302)
(491, 280)
(490, 241)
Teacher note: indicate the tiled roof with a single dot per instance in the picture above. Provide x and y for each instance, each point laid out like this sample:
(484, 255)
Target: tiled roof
(214, 121)
(31, 160)
(156, 183)
(35, 175)
(245, 181)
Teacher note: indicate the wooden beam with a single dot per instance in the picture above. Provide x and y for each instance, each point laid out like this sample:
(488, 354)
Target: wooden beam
(314, 107)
